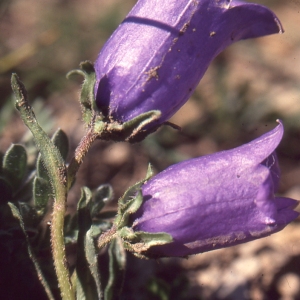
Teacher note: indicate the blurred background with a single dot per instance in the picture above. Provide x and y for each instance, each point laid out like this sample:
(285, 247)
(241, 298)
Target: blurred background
(246, 88)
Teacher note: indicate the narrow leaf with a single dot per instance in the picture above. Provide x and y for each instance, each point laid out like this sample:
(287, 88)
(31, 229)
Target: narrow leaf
(60, 140)
(50, 154)
(103, 195)
(40, 275)
(15, 165)
(91, 255)
(41, 171)
(41, 193)
(117, 263)
(88, 281)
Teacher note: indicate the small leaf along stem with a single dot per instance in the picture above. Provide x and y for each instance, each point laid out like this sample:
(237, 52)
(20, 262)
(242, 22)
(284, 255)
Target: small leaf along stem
(57, 171)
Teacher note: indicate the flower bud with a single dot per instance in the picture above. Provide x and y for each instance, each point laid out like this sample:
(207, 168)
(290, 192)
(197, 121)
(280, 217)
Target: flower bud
(157, 56)
(217, 200)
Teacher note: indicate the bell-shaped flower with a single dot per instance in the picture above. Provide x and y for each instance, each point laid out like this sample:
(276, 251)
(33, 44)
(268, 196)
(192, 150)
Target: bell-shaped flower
(217, 200)
(159, 53)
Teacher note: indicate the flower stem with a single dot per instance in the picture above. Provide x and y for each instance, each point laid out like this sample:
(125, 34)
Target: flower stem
(81, 151)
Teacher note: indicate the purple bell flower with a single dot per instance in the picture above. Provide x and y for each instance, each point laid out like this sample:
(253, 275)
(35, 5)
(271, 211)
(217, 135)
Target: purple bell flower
(217, 200)
(157, 56)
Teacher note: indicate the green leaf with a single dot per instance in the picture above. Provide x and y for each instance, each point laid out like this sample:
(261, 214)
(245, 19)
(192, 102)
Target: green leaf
(40, 275)
(41, 193)
(14, 165)
(51, 156)
(88, 279)
(57, 171)
(71, 229)
(91, 256)
(24, 194)
(41, 171)
(6, 191)
(61, 141)
(117, 264)
(103, 195)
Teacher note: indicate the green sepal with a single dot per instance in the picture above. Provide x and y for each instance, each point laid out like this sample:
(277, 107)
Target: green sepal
(127, 233)
(87, 98)
(130, 207)
(117, 264)
(131, 201)
(139, 242)
(88, 279)
(14, 166)
(153, 239)
(15, 212)
(41, 193)
(98, 227)
(102, 196)
(132, 131)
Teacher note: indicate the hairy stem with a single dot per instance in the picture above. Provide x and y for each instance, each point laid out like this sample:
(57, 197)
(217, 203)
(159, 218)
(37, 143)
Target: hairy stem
(81, 151)
(57, 171)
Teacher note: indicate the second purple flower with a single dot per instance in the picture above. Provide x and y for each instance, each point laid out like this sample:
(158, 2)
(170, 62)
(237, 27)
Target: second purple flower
(217, 200)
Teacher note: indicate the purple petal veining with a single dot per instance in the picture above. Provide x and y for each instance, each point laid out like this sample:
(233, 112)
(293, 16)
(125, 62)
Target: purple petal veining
(157, 56)
(217, 200)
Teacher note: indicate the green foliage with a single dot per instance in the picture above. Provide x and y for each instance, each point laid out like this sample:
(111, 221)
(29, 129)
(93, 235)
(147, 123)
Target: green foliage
(117, 264)
(14, 165)
(88, 284)
(18, 217)
(102, 196)
(42, 190)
